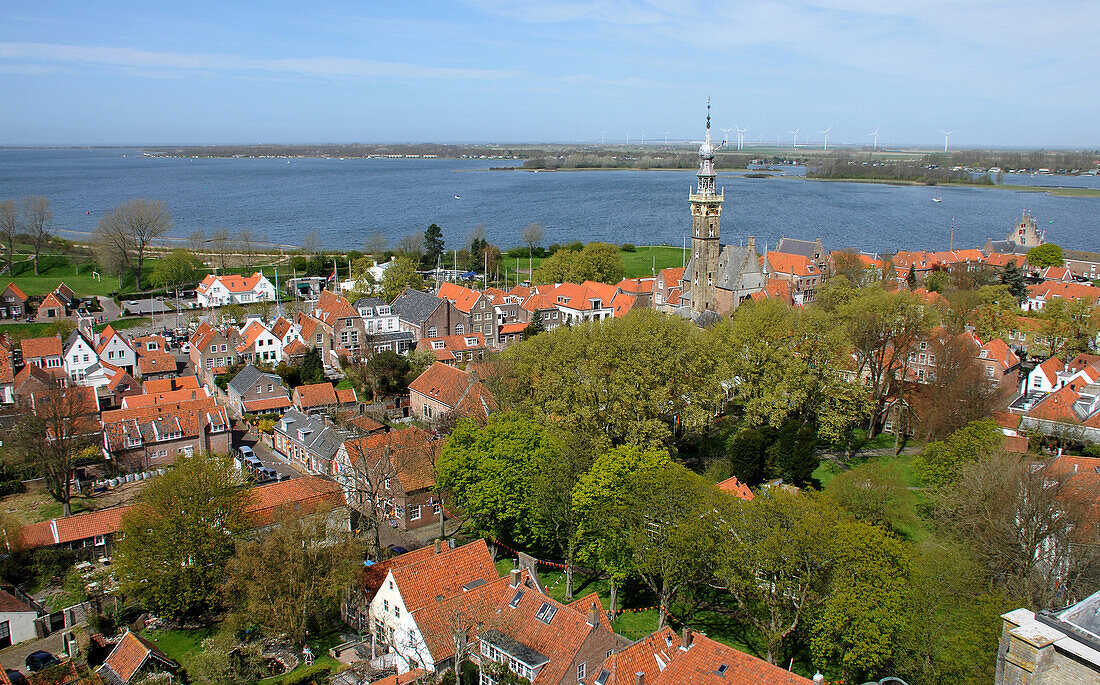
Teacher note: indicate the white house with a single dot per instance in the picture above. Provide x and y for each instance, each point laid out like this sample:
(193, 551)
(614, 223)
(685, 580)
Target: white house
(286, 330)
(259, 344)
(216, 291)
(1044, 377)
(116, 350)
(377, 316)
(79, 356)
(16, 620)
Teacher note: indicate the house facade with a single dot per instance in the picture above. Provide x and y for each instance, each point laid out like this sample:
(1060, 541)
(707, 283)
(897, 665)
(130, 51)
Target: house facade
(217, 291)
(428, 316)
(443, 390)
(252, 391)
(144, 437)
(308, 440)
(80, 355)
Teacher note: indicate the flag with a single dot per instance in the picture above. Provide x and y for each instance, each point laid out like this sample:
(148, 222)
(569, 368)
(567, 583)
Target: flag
(332, 276)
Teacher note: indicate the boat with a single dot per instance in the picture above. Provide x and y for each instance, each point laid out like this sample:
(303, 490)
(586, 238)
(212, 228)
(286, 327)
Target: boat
(937, 199)
(457, 197)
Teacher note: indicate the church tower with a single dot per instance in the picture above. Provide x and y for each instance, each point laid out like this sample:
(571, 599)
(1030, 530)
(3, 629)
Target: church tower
(706, 215)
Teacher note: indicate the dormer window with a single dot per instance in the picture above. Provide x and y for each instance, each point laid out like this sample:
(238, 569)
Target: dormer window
(471, 342)
(437, 344)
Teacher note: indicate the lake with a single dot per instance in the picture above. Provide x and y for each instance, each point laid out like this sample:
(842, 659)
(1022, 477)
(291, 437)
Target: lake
(346, 200)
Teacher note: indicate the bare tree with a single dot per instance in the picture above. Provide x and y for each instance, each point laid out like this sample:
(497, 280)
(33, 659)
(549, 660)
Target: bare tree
(58, 421)
(957, 392)
(311, 243)
(10, 225)
(37, 219)
(376, 244)
(196, 241)
(246, 243)
(412, 246)
(129, 229)
(531, 237)
(220, 242)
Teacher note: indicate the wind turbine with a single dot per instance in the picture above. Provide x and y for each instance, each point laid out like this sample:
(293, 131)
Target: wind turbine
(826, 132)
(875, 134)
(946, 137)
(601, 136)
(726, 134)
(795, 132)
(741, 137)
(666, 137)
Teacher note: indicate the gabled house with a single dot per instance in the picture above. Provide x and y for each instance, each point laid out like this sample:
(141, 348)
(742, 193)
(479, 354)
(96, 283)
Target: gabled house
(401, 464)
(17, 620)
(285, 330)
(153, 359)
(252, 391)
(146, 436)
(803, 274)
(428, 316)
(79, 356)
(443, 390)
(668, 280)
(216, 291)
(1042, 293)
(347, 326)
(258, 344)
(51, 307)
(476, 306)
(377, 316)
(45, 353)
(307, 440)
(455, 349)
(116, 350)
(13, 302)
(7, 372)
(736, 488)
(316, 335)
(540, 306)
(134, 658)
(641, 288)
(213, 350)
(322, 397)
(1045, 377)
(92, 531)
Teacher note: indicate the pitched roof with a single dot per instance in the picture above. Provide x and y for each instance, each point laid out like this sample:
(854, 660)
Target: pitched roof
(314, 395)
(796, 264)
(9, 604)
(189, 418)
(37, 348)
(414, 306)
(454, 388)
(61, 531)
(231, 282)
(159, 385)
(331, 307)
(1058, 405)
(251, 331)
(16, 290)
(51, 300)
(673, 276)
(312, 432)
(156, 361)
(1001, 259)
(736, 488)
(267, 404)
(461, 297)
(512, 328)
(295, 348)
(128, 657)
(249, 376)
(281, 327)
(410, 452)
(997, 350)
(444, 574)
(304, 494)
(1071, 291)
(804, 248)
(638, 286)
(451, 344)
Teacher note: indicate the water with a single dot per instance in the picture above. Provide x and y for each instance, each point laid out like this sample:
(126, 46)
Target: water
(346, 200)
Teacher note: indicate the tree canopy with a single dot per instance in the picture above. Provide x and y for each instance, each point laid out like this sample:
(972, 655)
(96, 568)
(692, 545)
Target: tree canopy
(599, 262)
(1047, 254)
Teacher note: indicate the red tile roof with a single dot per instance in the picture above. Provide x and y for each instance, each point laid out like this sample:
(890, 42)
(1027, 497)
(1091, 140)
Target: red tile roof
(10, 605)
(997, 259)
(159, 385)
(346, 396)
(463, 298)
(452, 343)
(416, 675)
(51, 300)
(38, 348)
(673, 276)
(281, 327)
(295, 348)
(156, 361)
(190, 417)
(1070, 291)
(997, 350)
(331, 307)
(443, 574)
(268, 404)
(232, 282)
(131, 654)
(411, 453)
(455, 389)
(314, 395)
(736, 488)
(305, 495)
(638, 285)
(17, 291)
(74, 528)
(795, 264)
(1058, 405)
(512, 328)
(1050, 368)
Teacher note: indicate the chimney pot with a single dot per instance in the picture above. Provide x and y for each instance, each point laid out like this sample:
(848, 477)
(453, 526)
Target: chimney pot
(639, 678)
(685, 638)
(514, 579)
(818, 678)
(438, 546)
(593, 615)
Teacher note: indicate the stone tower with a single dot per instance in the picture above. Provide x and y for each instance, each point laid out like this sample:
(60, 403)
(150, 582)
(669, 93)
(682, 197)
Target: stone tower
(1026, 233)
(706, 219)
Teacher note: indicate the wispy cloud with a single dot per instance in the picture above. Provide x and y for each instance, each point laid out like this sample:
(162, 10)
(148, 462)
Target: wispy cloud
(30, 55)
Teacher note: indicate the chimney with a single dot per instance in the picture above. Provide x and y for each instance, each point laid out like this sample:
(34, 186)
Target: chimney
(751, 243)
(685, 638)
(438, 546)
(819, 679)
(513, 579)
(639, 678)
(593, 615)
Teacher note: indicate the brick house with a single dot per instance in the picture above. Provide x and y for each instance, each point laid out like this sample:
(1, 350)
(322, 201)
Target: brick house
(45, 353)
(307, 440)
(147, 436)
(401, 464)
(476, 306)
(349, 334)
(213, 351)
(13, 302)
(252, 391)
(455, 349)
(153, 359)
(667, 280)
(322, 398)
(802, 273)
(428, 316)
(317, 335)
(51, 307)
(135, 659)
(443, 390)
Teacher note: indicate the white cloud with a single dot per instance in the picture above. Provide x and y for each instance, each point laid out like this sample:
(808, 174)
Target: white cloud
(322, 67)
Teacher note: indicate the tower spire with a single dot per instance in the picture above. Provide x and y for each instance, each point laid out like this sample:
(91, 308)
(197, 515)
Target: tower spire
(708, 112)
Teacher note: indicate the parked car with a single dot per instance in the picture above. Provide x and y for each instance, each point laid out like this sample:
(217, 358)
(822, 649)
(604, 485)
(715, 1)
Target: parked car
(253, 463)
(15, 677)
(270, 473)
(245, 451)
(36, 661)
(397, 549)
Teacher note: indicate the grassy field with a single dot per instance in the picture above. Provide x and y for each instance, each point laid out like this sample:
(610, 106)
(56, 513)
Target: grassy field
(57, 268)
(41, 329)
(181, 645)
(644, 261)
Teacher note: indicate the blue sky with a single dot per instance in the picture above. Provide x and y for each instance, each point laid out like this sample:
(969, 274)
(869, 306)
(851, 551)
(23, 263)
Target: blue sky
(997, 72)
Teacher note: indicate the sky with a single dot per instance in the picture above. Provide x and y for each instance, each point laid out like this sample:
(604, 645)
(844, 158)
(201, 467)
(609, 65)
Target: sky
(1000, 73)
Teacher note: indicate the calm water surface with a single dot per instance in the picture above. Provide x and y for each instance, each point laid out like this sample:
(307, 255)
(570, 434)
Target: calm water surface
(345, 200)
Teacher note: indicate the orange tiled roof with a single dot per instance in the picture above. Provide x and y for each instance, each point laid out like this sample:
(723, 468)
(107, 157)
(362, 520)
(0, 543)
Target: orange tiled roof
(333, 307)
(736, 488)
(512, 328)
(452, 343)
(346, 395)
(189, 417)
(443, 574)
(156, 361)
(1058, 405)
(254, 329)
(999, 351)
(52, 300)
(281, 327)
(1071, 291)
(232, 282)
(160, 385)
(295, 348)
(784, 263)
(62, 531)
(462, 297)
(130, 655)
(997, 259)
(305, 494)
(452, 387)
(410, 451)
(266, 404)
(673, 276)
(37, 348)
(623, 303)
(17, 291)
(314, 395)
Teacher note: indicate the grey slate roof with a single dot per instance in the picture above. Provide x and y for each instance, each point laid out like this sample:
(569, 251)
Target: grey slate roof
(321, 440)
(1007, 247)
(415, 306)
(739, 269)
(248, 376)
(71, 340)
(393, 336)
(805, 248)
(369, 302)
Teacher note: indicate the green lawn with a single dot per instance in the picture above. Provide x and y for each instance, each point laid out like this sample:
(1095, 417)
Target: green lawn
(75, 273)
(644, 261)
(42, 329)
(181, 645)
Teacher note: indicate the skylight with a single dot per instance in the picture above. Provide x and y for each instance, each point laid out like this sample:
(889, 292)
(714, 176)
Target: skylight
(546, 612)
(515, 600)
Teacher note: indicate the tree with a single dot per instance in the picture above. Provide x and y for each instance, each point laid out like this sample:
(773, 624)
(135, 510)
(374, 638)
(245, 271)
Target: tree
(779, 564)
(10, 227)
(672, 524)
(400, 275)
(412, 246)
(196, 242)
(37, 221)
(246, 241)
(599, 262)
(489, 471)
(433, 245)
(936, 282)
(176, 269)
(531, 237)
(940, 462)
(292, 577)
(843, 408)
(957, 392)
(876, 493)
(862, 620)
(312, 369)
(388, 372)
(911, 277)
(311, 243)
(220, 241)
(850, 264)
(1013, 277)
(604, 489)
(1047, 254)
(127, 231)
(58, 421)
(376, 244)
(224, 659)
(179, 536)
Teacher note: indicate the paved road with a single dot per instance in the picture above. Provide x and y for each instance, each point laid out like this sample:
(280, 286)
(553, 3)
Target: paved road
(16, 656)
(269, 457)
(111, 311)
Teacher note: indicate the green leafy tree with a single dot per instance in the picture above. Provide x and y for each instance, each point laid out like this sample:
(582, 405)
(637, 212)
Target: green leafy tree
(876, 493)
(604, 489)
(489, 471)
(433, 245)
(599, 262)
(1013, 277)
(223, 659)
(388, 372)
(843, 408)
(936, 281)
(911, 277)
(1047, 254)
(862, 621)
(941, 462)
(311, 370)
(176, 269)
(291, 578)
(402, 274)
(557, 268)
(178, 538)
